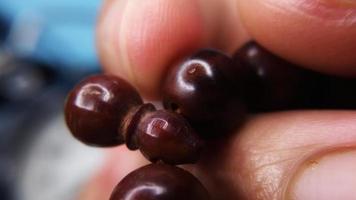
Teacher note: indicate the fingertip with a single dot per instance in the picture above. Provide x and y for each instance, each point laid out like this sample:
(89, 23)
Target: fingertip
(107, 33)
(162, 33)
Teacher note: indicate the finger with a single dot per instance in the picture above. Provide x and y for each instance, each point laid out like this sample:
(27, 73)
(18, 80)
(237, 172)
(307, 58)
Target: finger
(140, 39)
(313, 33)
(291, 155)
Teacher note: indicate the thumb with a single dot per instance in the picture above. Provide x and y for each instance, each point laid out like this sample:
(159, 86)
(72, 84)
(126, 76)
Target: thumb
(299, 155)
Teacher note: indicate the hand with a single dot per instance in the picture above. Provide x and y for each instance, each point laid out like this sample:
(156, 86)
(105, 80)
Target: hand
(284, 155)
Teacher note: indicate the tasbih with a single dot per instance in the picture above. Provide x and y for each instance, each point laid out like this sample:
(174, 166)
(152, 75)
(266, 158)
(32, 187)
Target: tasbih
(205, 97)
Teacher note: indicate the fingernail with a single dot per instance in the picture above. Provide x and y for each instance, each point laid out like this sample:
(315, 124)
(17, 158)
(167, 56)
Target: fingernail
(333, 176)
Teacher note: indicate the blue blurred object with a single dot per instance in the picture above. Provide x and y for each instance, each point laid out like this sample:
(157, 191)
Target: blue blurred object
(4, 28)
(23, 80)
(4, 190)
(55, 31)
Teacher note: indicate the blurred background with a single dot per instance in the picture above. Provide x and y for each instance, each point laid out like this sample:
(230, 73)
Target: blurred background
(46, 46)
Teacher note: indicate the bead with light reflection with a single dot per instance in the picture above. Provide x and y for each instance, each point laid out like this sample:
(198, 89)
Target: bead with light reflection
(166, 136)
(159, 182)
(96, 108)
(202, 89)
(105, 111)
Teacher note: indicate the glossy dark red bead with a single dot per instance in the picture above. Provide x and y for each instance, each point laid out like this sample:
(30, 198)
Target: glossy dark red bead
(96, 108)
(160, 182)
(166, 136)
(272, 83)
(202, 89)
(132, 122)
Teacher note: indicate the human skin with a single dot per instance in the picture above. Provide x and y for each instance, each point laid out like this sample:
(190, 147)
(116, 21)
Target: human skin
(274, 156)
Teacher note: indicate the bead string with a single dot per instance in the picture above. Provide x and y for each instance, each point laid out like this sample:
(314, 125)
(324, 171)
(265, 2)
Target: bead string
(205, 97)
